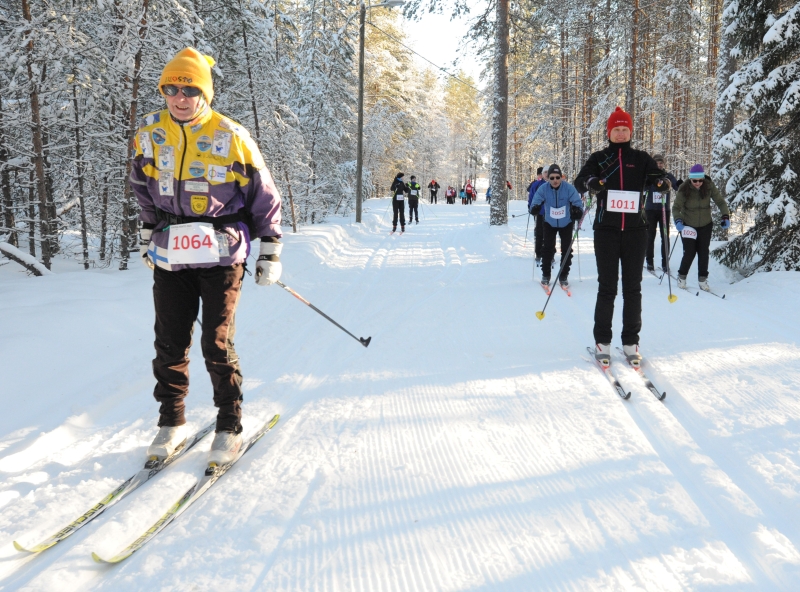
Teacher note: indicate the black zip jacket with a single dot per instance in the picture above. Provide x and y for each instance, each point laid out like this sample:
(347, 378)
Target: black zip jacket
(398, 187)
(621, 168)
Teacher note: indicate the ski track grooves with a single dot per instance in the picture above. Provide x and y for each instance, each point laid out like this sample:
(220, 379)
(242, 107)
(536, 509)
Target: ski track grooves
(694, 450)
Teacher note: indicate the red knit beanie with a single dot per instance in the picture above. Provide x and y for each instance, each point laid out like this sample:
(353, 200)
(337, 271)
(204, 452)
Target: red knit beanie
(619, 117)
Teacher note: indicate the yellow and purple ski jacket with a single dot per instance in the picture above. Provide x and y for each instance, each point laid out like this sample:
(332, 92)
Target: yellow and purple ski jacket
(205, 170)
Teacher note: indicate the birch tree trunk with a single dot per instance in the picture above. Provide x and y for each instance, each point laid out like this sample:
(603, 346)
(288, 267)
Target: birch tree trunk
(499, 206)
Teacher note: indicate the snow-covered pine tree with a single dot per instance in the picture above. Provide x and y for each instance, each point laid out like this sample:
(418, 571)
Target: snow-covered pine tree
(765, 146)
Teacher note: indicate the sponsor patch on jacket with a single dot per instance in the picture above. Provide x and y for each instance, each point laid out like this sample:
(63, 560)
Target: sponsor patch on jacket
(159, 136)
(145, 144)
(166, 183)
(199, 204)
(166, 158)
(151, 119)
(217, 173)
(197, 168)
(196, 186)
(222, 143)
(204, 143)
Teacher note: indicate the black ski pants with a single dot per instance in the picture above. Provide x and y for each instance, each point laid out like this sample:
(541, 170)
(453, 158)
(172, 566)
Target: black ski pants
(399, 209)
(177, 296)
(699, 247)
(538, 236)
(655, 226)
(413, 209)
(549, 252)
(614, 248)
(433, 197)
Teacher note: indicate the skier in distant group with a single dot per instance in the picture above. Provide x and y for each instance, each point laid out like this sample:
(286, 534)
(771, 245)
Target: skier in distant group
(619, 174)
(692, 213)
(414, 191)
(450, 194)
(560, 205)
(657, 210)
(399, 190)
(470, 191)
(538, 230)
(195, 236)
(434, 187)
(463, 194)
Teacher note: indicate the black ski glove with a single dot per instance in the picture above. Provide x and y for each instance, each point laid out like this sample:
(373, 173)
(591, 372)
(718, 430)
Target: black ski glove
(594, 184)
(535, 210)
(575, 213)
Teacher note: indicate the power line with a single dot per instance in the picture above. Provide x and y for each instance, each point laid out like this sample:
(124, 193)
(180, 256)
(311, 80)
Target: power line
(438, 67)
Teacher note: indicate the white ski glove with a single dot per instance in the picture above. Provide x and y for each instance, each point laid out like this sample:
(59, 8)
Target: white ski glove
(144, 244)
(268, 266)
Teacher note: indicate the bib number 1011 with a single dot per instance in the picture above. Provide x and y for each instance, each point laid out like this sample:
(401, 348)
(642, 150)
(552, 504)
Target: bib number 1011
(623, 201)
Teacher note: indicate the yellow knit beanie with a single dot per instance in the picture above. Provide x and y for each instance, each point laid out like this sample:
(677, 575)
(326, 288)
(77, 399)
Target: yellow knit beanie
(191, 68)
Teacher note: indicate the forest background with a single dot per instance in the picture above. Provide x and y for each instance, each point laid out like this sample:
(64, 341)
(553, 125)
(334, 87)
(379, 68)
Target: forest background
(715, 82)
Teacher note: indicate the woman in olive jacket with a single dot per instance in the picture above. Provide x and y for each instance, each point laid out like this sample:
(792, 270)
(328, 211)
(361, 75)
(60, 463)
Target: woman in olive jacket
(692, 214)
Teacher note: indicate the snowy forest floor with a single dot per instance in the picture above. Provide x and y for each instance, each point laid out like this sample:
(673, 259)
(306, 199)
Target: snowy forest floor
(470, 447)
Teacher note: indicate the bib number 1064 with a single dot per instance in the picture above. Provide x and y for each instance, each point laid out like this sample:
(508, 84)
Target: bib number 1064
(195, 242)
(623, 201)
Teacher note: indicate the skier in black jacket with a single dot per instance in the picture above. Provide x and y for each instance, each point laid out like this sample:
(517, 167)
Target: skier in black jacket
(658, 214)
(399, 190)
(434, 188)
(619, 175)
(414, 191)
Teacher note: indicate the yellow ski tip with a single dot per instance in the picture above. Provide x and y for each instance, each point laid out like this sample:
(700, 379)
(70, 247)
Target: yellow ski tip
(672, 297)
(540, 314)
(19, 547)
(97, 558)
(273, 421)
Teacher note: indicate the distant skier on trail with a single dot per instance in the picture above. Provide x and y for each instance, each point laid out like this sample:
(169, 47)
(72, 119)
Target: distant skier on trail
(692, 213)
(399, 190)
(463, 195)
(450, 194)
(619, 174)
(538, 231)
(204, 192)
(414, 191)
(434, 187)
(470, 191)
(657, 209)
(560, 205)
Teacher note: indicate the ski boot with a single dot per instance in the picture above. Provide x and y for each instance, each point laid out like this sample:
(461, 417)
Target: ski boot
(546, 281)
(602, 353)
(224, 448)
(564, 284)
(682, 281)
(632, 354)
(167, 440)
(703, 281)
(650, 267)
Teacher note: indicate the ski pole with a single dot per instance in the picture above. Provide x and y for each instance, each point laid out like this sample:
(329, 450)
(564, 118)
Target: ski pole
(564, 259)
(666, 271)
(664, 242)
(361, 340)
(578, 246)
(526, 230)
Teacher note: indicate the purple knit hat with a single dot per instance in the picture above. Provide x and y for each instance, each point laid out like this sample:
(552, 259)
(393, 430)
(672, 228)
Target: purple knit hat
(697, 172)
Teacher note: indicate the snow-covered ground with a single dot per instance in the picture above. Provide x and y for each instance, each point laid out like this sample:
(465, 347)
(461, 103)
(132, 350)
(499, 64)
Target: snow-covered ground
(470, 447)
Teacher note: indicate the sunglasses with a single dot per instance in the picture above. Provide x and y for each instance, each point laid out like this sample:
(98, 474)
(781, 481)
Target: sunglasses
(188, 91)
(698, 181)
(555, 178)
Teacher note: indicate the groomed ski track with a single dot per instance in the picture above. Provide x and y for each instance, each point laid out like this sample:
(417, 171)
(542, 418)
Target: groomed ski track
(470, 447)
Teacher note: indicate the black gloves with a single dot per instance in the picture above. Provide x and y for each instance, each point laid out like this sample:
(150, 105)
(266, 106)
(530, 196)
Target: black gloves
(575, 213)
(594, 184)
(535, 210)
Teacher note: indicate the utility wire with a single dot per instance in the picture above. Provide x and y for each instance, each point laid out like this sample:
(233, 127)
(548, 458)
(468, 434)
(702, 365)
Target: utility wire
(396, 40)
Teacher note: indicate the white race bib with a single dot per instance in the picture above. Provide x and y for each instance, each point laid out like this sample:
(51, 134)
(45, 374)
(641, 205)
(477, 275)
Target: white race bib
(195, 242)
(658, 197)
(626, 202)
(413, 192)
(558, 213)
(689, 232)
(400, 196)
